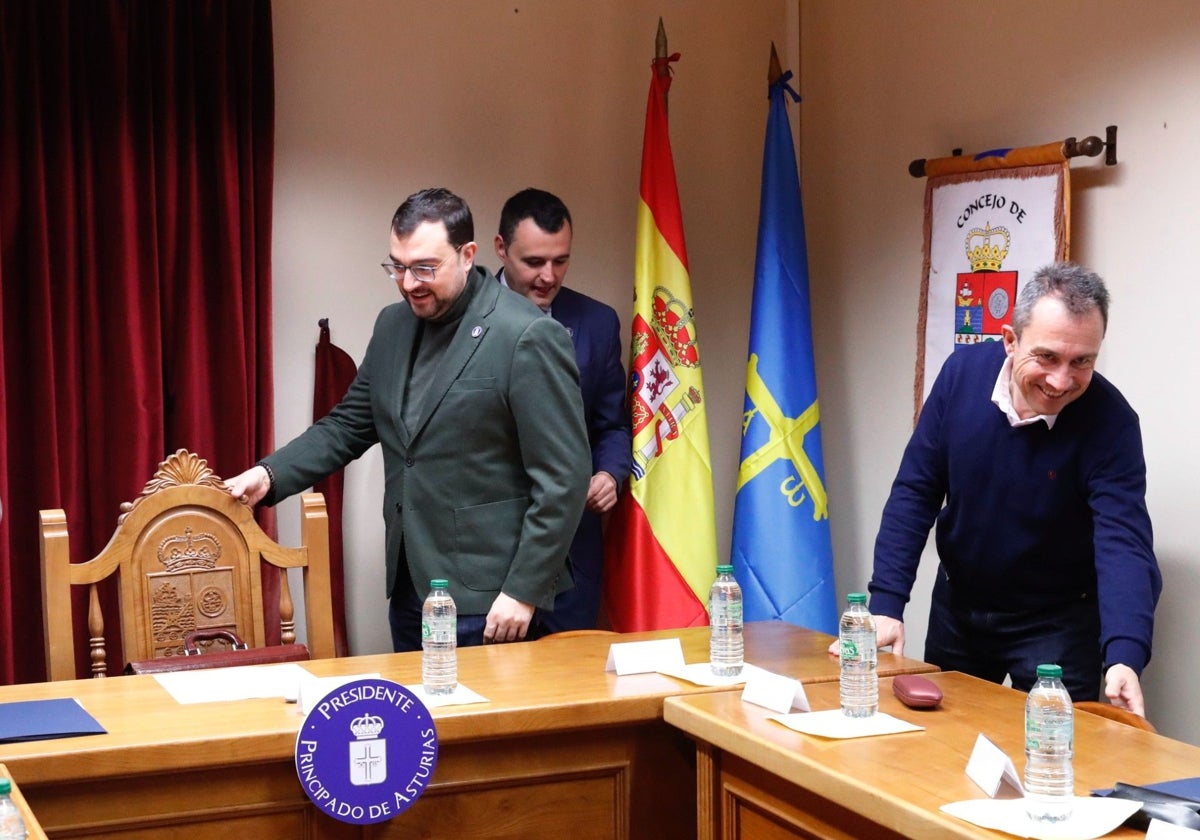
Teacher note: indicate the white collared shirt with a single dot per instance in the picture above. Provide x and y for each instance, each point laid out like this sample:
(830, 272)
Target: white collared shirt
(503, 282)
(1002, 398)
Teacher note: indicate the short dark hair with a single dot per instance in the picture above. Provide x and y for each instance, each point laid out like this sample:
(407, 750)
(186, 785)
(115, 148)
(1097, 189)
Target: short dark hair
(435, 204)
(546, 209)
(1080, 290)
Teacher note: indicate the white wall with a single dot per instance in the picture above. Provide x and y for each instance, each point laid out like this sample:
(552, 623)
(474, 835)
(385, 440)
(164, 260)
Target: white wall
(378, 98)
(887, 82)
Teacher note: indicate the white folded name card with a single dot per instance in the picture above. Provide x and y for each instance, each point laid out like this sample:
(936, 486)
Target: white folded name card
(1160, 830)
(644, 657)
(775, 692)
(989, 765)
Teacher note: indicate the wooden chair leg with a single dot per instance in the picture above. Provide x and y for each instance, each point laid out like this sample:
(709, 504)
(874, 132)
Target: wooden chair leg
(96, 634)
(287, 611)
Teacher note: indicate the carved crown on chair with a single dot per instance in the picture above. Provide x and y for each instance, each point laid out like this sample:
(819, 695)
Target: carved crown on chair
(177, 470)
(189, 551)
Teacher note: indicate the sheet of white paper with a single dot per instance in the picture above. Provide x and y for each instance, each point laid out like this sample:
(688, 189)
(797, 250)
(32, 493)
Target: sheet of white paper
(1091, 816)
(644, 657)
(461, 696)
(1160, 830)
(700, 673)
(245, 682)
(833, 724)
(775, 692)
(989, 765)
(312, 689)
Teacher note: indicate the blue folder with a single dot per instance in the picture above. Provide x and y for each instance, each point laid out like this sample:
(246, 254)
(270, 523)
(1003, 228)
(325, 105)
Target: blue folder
(39, 720)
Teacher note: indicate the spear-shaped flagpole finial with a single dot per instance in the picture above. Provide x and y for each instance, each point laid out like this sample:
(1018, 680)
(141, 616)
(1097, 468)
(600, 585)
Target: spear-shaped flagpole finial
(661, 67)
(774, 70)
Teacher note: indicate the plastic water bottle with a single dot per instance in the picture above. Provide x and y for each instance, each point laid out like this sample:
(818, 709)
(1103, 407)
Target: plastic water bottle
(439, 640)
(1049, 748)
(859, 681)
(725, 646)
(12, 824)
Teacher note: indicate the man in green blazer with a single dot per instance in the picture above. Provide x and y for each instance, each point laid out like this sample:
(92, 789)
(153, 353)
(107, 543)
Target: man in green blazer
(474, 395)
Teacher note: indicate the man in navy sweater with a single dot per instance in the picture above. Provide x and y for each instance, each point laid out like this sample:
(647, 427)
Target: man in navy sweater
(1031, 465)
(534, 248)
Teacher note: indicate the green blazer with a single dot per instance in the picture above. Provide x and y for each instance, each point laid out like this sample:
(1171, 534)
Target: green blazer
(488, 486)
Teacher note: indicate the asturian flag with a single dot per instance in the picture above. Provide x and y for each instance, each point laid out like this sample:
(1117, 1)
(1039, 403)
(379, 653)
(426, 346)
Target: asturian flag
(661, 545)
(782, 554)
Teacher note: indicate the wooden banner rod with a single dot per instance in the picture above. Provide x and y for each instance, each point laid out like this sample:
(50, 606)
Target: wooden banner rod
(1069, 148)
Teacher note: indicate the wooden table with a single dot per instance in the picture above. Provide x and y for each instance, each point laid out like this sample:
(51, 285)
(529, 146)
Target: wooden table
(759, 779)
(563, 749)
(33, 829)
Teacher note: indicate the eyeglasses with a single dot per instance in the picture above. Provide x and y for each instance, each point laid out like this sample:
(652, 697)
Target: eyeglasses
(421, 273)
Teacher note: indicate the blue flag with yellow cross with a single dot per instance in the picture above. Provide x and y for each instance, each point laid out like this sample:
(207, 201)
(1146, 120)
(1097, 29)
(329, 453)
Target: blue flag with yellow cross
(782, 552)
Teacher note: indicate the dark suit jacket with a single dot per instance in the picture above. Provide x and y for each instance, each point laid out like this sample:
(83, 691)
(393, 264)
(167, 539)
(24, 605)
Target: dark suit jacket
(487, 489)
(596, 333)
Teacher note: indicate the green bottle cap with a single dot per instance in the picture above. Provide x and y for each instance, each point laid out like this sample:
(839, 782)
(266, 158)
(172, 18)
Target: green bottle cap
(856, 598)
(1049, 672)
(439, 583)
(725, 570)
(5, 787)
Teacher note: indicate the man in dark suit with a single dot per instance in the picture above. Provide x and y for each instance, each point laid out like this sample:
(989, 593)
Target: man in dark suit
(534, 247)
(475, 399)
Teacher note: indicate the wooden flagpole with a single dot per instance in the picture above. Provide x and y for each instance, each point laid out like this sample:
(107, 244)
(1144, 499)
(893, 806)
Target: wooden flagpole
(1058, 152)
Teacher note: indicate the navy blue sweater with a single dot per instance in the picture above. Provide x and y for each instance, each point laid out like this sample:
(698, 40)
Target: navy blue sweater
(1032, 516)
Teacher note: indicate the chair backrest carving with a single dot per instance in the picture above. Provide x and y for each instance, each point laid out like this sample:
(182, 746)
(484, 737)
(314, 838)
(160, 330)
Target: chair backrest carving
(187, 556)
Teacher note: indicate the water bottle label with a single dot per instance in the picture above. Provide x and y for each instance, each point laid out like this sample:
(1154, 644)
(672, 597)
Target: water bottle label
(1049, 734)
(447, 631)
(728, 617)
(850, 650)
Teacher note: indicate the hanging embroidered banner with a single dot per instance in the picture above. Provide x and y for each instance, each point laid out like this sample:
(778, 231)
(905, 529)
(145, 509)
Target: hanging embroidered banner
(991, 221)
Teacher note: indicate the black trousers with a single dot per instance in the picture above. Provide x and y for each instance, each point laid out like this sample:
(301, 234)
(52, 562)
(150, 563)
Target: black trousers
(992, 644)
(404, 617)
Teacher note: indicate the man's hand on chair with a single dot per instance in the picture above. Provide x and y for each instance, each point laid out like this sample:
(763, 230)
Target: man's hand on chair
(253, 484)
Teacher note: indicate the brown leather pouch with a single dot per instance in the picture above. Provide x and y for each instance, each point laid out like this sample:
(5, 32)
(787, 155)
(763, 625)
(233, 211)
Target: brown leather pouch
(916, 692)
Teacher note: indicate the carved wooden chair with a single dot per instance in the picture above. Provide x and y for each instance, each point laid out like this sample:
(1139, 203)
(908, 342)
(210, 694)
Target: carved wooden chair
(186, 555)
(1107, 710)
(571, 634)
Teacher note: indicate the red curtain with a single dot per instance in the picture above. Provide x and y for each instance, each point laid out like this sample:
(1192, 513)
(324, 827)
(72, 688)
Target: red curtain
(335, 372)
(136, 156)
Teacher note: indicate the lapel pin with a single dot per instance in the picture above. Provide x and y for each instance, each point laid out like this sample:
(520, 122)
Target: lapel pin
(476, 331)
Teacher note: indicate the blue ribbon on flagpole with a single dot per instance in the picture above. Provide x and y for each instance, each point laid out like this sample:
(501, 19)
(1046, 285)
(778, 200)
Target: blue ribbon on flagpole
(782, 82)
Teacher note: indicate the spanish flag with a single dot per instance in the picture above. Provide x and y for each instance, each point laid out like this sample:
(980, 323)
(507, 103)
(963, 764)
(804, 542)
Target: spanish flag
(661, 545)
